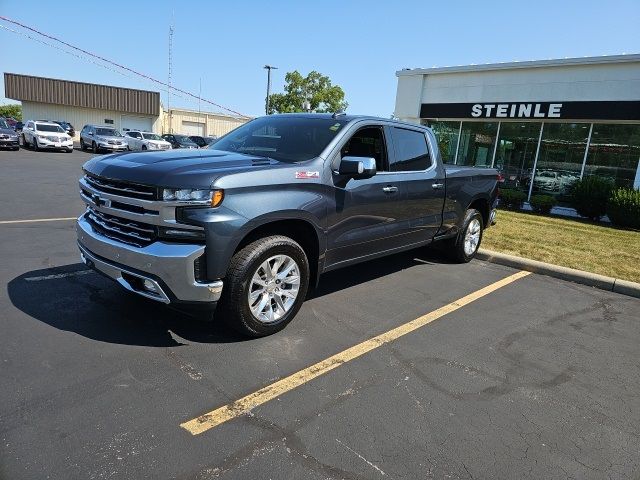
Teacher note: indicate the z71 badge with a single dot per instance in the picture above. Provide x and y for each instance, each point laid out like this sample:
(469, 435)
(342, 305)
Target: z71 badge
(305, 175)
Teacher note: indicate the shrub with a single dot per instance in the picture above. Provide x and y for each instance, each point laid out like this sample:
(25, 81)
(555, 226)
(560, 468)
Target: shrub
(589, 196)
(542, 203)
(623, 207)
(512, 199)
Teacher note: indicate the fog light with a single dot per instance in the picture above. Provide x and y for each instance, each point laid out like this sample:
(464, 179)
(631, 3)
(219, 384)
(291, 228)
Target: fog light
(149, 286)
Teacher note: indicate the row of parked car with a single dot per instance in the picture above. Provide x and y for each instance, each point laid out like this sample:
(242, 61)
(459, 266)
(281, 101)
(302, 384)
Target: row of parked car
(103, 138)
(58, 135)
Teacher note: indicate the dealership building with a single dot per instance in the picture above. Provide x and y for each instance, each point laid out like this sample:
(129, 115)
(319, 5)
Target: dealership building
(125, 109)
(544, 124)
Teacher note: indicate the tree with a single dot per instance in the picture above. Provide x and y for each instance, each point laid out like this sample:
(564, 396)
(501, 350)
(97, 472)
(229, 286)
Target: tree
(13, 110)
(315, 88)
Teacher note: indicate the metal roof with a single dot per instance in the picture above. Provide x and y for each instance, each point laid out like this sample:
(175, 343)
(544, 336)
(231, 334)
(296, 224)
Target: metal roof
(558, 62)
(80, 94)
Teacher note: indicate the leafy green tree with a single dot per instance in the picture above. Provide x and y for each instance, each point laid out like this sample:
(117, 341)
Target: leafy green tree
(315, 88)
(12, 110)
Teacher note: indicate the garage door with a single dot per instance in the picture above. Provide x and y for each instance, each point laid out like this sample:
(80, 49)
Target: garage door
(129, 122)
(192, 128)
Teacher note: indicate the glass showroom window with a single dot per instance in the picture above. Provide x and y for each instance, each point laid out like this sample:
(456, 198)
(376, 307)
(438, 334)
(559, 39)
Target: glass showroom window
(614, 153)
(560, 160)
(477, 141)
(516, 152)
(447, 135)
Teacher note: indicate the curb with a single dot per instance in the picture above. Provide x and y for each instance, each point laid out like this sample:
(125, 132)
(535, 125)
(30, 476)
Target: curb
(602, 282)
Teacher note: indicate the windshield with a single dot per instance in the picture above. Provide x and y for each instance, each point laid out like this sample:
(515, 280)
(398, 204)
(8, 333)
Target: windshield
(3, 124)
(151, 136)
(108, 132)
(284, 138)
(183, 139)
(49, 128)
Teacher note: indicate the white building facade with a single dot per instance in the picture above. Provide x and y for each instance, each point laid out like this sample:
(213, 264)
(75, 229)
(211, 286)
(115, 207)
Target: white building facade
(543, 124)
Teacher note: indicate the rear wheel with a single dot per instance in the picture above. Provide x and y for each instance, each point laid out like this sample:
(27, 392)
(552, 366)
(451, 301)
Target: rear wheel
(82, 145)
(465, 246)
(144, 147)
(265, 286)
(94, 147)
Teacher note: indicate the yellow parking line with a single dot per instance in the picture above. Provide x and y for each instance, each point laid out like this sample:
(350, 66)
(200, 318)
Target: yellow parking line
(244, 405)
(5, 222)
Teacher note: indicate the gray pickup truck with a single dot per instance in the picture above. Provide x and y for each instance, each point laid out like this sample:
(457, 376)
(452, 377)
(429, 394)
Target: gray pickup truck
(250, 223)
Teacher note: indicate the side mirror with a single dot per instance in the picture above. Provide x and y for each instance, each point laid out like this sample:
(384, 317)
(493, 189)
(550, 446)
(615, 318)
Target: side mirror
(358, 167)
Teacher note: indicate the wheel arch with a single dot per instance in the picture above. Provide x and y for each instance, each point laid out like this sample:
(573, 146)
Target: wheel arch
(302, 231)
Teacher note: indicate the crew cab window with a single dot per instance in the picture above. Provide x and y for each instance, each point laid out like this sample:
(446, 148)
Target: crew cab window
(412, 153)
(367, 142)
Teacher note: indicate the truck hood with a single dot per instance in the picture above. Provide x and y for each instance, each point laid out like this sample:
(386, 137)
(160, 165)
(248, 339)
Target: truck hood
(180, 168)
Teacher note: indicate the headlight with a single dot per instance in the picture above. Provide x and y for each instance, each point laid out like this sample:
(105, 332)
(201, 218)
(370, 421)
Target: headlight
(214, 197)
(152, 146)
(42, 137)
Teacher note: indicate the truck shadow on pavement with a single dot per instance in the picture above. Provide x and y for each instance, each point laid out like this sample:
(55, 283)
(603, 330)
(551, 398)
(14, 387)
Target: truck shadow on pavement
(74, 299)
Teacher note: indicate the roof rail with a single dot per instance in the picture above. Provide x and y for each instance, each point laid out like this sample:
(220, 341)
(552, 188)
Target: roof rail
(337, 114)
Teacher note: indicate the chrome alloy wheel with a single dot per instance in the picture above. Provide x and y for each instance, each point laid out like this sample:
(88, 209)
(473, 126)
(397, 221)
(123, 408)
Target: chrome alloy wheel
(472, 237)
(274, 288)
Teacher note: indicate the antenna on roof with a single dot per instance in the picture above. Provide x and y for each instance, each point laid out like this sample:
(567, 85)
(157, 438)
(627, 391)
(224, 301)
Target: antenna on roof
(337, 114)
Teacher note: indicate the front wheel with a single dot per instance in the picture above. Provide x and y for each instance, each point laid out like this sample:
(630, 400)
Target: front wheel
(35, 144)
(94, 147)
(468, 241)
(265, 286)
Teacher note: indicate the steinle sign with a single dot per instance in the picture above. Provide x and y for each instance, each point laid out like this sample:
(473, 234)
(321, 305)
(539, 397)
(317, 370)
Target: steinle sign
(517, 110)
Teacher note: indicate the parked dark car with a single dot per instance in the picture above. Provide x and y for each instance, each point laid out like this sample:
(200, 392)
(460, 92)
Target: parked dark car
(252, 222)
(202, 142)
(11, 122)
(179, 141)
(67, 127)
(8, 136)
(18, 127)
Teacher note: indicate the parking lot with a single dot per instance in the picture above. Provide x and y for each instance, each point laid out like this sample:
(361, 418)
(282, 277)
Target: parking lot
(531, 378)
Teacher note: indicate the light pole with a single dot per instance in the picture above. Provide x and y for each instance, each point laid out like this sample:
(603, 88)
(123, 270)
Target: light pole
(266, 103)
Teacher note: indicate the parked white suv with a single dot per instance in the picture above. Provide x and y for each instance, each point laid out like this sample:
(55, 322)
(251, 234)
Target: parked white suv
(42, 134)
(137, 140)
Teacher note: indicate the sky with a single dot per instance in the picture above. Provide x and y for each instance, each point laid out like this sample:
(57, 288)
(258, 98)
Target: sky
(220, 48)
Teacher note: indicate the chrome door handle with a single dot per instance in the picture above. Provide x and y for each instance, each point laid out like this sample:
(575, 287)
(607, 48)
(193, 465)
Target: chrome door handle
(389, 189)
(437, 186)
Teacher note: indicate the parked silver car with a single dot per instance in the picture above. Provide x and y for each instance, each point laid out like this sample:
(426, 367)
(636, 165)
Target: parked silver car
(98, 138)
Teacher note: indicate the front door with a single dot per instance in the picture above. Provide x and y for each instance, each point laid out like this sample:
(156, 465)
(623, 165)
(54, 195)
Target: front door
(367, 215)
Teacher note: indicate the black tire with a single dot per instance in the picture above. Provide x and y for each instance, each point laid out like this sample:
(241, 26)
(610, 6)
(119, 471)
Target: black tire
(234, 306)
(15, 149)
(35, 144)
(82, 145)
(94, 147)
(144, 147)
(457, 245)
(69, 150)
(24, 141)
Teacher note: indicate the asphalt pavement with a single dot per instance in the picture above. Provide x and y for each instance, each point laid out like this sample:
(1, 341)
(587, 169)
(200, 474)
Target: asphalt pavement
(539, 378)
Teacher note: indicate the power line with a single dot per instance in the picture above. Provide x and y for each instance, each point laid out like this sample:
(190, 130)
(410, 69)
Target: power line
(140, 74)
(26, 35)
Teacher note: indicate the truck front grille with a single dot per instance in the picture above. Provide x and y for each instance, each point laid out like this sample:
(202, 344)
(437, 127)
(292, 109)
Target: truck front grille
(122, 229)
(122, 188)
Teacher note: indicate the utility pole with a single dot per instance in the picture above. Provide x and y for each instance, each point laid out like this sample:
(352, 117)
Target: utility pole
(266, 103)
(169, 78)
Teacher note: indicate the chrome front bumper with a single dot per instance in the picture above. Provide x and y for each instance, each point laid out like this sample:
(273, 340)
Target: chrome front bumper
(160, 271)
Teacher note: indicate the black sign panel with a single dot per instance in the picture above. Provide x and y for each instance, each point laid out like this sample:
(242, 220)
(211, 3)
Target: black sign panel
(608, 110)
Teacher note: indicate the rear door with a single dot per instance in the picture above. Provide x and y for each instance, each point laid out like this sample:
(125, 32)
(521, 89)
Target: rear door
(420, 174)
